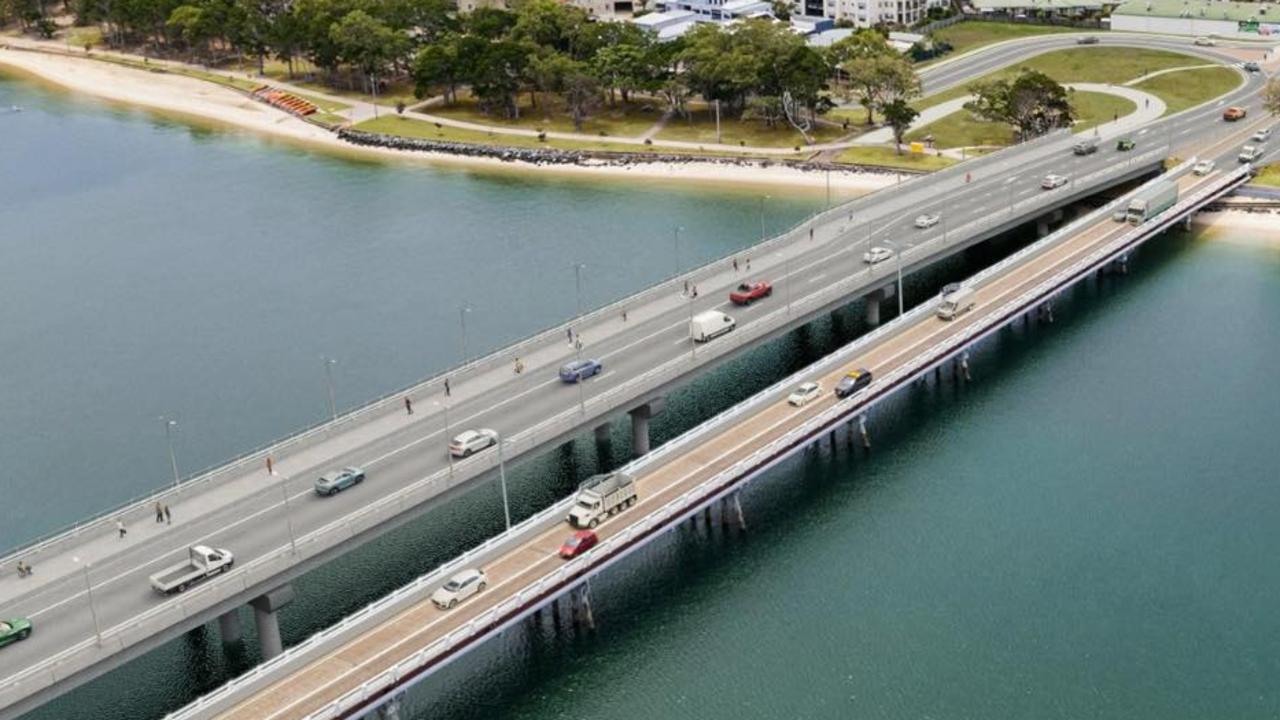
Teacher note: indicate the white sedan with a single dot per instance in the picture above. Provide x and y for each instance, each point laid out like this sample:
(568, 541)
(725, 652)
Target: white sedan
(1204, 167)
(472, 441)
(459, 588)
(1054, 181)
(928, 221)
(877, 254)
(805, 394)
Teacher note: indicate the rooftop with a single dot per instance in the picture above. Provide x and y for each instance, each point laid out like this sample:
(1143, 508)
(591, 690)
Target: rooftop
(989, 5)
(1231, 11)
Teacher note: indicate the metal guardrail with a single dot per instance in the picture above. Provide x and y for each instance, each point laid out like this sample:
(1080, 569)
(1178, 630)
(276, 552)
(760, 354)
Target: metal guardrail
(414, 590)
(318, 541)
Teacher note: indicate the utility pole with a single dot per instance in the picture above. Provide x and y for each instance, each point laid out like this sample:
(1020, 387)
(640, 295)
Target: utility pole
(169, 424)
(93, 610)
(502, 477)
(328, 375)
(462, 315)
(679, 229)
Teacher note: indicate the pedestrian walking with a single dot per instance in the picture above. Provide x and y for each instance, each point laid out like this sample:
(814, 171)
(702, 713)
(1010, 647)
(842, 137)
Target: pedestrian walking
(570, 332)
(695, 292)
(120, 528)
(23, 569)
(968, 177)
(686, 287)
(408, 405)
(735, 264)
(810, 233)
(748, 264)
(1115, 117)
(624, 316)
(519, 366)
(447, 392)
(270, 470)
(168, 516)
(577, 342)
(159, 512)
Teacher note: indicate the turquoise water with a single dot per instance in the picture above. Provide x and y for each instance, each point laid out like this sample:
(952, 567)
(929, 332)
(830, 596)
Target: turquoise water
(1087, 530)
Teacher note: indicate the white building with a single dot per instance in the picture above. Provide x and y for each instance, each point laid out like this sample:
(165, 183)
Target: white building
(1199, 18)
(719, 10)
(867, 13)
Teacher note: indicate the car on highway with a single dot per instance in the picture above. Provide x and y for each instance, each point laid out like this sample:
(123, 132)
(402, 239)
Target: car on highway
(1205, 41)
(1233, 113)
(1125, 144)
(877, 254)
(578, 543)
(459, 587)
(334, 482)
(469, 442)
(1054, 181)
(852, 382)
(928, 220)
(1262, 135)
(805, 394)
(13, 630)
(749, 292)
(1087, 146)
(1204, 167)
(579, 370)
(1252, 67)
(1250, 153)
(1088, 40)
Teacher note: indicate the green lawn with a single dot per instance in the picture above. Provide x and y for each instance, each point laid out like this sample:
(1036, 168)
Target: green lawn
(1269, 176)
(967, 36)
(623, 120)
(1094, 64)
(887, 157)
(410, 127)
(701, 127)
(960, 129)
(328, 118)
(1188, 88)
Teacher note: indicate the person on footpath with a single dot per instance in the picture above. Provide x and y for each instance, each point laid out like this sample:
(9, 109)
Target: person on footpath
(24, 570)
(159, 512)
(408, 406)
(270, 470)
(447, 392)
(120, 528)
(168, 516)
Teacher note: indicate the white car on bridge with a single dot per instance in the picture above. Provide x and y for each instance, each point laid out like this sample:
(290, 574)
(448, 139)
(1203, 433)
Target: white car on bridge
(928, 221)
(1054, 181)
(805, 394)
(460, 587)
(469, 442)
(877, 254)
(1204, 167)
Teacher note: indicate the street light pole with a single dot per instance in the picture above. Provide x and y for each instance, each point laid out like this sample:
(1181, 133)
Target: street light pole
(93, 610)
(288, 516)
(462, 315)
(169, 424)
(762, 199)
(678, 230)
(446, 434)
(577, 274)
(897, 252)
(502, 477)
(328, 376)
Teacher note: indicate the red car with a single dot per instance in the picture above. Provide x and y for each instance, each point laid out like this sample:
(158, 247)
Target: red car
(749, 292)
(578, 543)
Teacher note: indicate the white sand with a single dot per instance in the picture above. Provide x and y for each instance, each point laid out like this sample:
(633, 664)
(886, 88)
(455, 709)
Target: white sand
(206, 102)
(1264, 227)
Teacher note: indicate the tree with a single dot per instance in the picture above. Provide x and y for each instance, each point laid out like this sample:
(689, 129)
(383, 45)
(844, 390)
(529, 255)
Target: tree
(781, 10)
(368, 44)
(192, 24)
(1033, 103)
(880, 79)
(547, 72)
(1271, 96)
(899, 115)
(581, 95)
(438, 64)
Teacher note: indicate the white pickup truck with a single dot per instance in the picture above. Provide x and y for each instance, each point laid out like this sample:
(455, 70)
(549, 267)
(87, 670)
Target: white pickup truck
(601, 496)
(202, 562)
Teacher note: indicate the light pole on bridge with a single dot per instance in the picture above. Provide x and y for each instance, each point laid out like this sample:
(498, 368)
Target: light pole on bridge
(462, 317)
(288, 516)
(502, 478)
(679, 229)
(445, 407)
(328, 376)
(897, 254)
(88, 588)
(762, 199)
(169, 425)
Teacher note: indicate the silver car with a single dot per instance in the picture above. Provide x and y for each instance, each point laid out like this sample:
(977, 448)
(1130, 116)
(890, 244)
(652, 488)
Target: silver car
(1204, 167)
(472, 441)
(927, 221)
(877, 254)
(459, 587)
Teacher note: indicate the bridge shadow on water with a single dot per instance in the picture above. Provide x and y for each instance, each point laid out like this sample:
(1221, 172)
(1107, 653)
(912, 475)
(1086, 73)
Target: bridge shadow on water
(685, 568)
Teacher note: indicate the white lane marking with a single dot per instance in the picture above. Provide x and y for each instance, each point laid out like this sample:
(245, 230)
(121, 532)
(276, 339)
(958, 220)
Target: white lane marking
(817, 277)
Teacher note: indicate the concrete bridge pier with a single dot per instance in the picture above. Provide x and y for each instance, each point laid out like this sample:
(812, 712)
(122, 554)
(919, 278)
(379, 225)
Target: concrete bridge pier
(230, 627)
(873, 300)
(1044, 221)
(640, 425)
(581, 599)
(265, 607)
(390, 710)
(604, 433)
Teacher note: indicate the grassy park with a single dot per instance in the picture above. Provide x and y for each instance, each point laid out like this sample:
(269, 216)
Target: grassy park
(1187, 88)
(888, 157)
(961, 129)
(1269, 176)
(700, 126)
(966, 36)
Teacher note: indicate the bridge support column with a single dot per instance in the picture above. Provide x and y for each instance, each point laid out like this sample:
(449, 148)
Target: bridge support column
(873, 300)
(862, 429)
(265, 607)
(604, 432)
(737, 510)
(390, 710)
(640, 425)
(582, 614)
(230, 627)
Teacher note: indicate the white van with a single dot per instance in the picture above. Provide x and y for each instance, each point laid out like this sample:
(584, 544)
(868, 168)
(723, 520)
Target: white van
(710, 325)
(956, 303)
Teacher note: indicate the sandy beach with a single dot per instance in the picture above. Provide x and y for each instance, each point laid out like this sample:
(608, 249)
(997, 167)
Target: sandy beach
(1265, 226)
(209, 104)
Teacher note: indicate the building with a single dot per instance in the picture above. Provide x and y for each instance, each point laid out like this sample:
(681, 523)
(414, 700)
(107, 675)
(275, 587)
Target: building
(719, 10)
(868, 13)
(605, 9)
(667, 25)
(1198, 18)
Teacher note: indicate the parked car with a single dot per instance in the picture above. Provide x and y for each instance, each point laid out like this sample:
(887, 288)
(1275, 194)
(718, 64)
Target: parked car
(1204, 167)
(1054, 181)
(334, 482)
(1252, 67)
(1125, 144)
(805, 394)
(876, 255)
(470, 442)
(852, 382)
(1205, 41)
(11, 631)
(1087, 40)
(578, 543)
(927, 221)
(1262, 135)
(579, 370)
(748, 292)
(1233, 113)
(459, 588)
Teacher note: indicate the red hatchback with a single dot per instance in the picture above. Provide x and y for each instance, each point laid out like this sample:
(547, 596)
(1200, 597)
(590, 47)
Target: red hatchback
(578, 543)
(749, 292)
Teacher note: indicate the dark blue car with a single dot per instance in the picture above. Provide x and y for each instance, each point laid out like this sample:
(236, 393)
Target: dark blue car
(580, 370)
